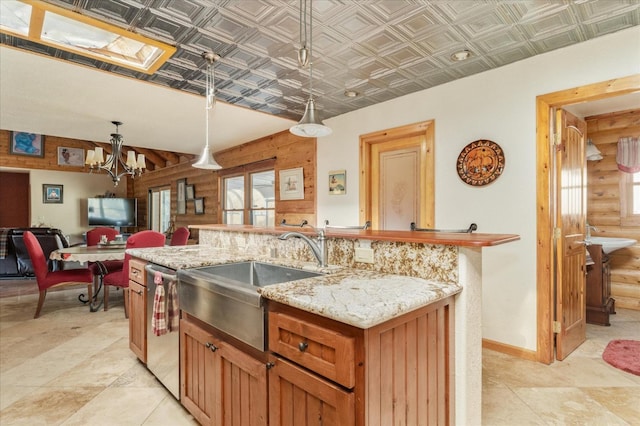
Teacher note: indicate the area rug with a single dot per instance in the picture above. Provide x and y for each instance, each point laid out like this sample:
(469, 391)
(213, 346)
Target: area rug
(623, 354)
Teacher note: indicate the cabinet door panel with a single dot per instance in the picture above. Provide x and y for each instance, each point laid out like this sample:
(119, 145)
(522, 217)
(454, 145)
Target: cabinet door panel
(242, 388)
(300, 398)
(197, 372)
(137, 320)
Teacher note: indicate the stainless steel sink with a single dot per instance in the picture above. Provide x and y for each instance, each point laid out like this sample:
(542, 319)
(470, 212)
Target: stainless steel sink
(225, 296)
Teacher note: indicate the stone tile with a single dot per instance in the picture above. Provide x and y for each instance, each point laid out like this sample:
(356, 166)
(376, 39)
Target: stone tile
(567, 406)
(623, 402)
(502, 407)
(48, 406)
(101, 369)
(170, 412)
(118, 406)
(137, 376)
(77, 365)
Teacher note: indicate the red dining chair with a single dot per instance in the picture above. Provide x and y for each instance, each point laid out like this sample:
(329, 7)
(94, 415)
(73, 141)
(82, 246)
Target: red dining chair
(142, 239)
(180, 237)
(93, 239)
(48, 279)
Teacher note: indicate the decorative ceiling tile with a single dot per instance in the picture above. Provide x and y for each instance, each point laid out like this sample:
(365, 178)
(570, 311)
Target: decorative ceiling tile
(380, 48)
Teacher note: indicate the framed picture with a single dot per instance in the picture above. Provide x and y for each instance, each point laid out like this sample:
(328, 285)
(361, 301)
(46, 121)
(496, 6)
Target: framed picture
(23, 143)
(51, 194)
(292, 184)
(70, 156)
(337, 182)
(198, 204)
(181, 185)
(190, 192)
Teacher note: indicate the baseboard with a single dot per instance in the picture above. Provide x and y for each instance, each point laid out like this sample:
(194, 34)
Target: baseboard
(509, 350)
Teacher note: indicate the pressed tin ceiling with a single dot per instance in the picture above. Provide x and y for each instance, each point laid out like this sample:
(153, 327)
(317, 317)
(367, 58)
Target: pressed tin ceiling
(379, 49)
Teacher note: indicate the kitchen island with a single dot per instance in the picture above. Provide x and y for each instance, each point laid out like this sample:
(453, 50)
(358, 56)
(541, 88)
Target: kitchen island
(410, 270)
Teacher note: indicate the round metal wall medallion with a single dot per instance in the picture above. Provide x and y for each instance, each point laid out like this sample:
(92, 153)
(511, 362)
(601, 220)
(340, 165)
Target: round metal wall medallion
(480, 162)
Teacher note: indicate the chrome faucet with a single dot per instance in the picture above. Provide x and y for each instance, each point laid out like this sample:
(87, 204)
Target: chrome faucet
(318, 247)
(588, 229)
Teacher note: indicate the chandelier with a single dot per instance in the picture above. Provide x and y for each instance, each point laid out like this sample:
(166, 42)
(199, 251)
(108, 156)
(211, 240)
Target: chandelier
(116, 164)
(310, 125)
(206, 160)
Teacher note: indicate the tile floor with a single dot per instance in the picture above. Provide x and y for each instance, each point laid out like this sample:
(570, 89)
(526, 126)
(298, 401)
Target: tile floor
(73, 367)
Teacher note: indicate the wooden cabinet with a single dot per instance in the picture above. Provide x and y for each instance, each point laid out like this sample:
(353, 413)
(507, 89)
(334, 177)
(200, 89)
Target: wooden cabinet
(300, 398)
(219, 383)
(138, 309)
(600, 304)
(324, 372)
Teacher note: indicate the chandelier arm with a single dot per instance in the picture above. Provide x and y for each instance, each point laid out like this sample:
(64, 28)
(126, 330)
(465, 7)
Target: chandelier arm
(116, 160)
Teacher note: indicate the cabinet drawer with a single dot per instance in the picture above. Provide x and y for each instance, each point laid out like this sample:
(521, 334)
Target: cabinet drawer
(136, 271)
(324, 351)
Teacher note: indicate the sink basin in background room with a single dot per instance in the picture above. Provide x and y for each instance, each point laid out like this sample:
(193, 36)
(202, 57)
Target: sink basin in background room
(611, 244)
(225, 296)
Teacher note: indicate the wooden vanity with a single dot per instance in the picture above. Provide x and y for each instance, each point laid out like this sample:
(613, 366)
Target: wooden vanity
(600, 304)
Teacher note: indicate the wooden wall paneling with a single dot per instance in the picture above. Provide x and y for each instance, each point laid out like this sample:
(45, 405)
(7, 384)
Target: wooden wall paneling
(291, 151)
(603, 202)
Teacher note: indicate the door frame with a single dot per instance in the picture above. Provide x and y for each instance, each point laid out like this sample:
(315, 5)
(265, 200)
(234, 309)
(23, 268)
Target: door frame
(423, 128)
(544, 192)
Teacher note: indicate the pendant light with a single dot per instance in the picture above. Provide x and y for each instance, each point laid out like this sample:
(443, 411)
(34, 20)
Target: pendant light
(206, 160)
(310, 125)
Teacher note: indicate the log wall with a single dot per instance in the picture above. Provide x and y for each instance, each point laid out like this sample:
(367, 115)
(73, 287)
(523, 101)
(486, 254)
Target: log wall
(603, 202)
(290, 151)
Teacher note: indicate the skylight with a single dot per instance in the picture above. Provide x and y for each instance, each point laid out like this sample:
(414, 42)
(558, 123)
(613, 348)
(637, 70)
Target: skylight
(70, 31)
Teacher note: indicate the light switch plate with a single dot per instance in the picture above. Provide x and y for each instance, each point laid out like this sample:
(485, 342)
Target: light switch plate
(364, 255)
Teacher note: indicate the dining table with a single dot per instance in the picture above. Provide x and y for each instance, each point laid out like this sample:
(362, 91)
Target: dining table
(96, 254)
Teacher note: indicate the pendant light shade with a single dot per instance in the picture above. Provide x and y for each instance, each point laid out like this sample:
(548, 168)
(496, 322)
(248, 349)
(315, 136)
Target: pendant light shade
(593, 153)
(310, 125)
(206, 160)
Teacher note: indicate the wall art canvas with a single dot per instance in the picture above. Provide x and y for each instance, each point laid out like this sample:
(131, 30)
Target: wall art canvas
(292, 184)
(70, 156)
(337, 182)
(24, 143)
(52, 194)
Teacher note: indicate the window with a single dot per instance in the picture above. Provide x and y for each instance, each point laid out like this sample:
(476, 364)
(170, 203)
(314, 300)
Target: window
(249, 198)
(83, 35)
(630, 199)
(635, 193)
(160, 209)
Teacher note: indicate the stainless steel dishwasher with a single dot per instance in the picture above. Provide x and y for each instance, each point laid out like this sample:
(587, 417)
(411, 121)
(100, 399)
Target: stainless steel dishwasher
(163, 352)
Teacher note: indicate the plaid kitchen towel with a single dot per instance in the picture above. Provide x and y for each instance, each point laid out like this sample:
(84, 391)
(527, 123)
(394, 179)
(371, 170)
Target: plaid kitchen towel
(173, 313)
(4, 242)
(159, 316)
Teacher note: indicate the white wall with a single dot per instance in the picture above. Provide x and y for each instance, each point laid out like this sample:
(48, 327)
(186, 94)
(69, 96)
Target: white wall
(498, 105)
(71, 215)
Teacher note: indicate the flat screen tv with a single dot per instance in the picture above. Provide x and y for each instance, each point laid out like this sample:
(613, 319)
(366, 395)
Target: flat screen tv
(112, 211)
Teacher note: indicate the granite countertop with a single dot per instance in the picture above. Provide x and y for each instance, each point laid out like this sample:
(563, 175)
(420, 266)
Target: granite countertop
(352, 296)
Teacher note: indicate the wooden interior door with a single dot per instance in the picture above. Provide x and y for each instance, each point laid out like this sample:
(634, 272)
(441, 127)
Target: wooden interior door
(570, 258)
(397, 177)
(396, 189)
(14, 190)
